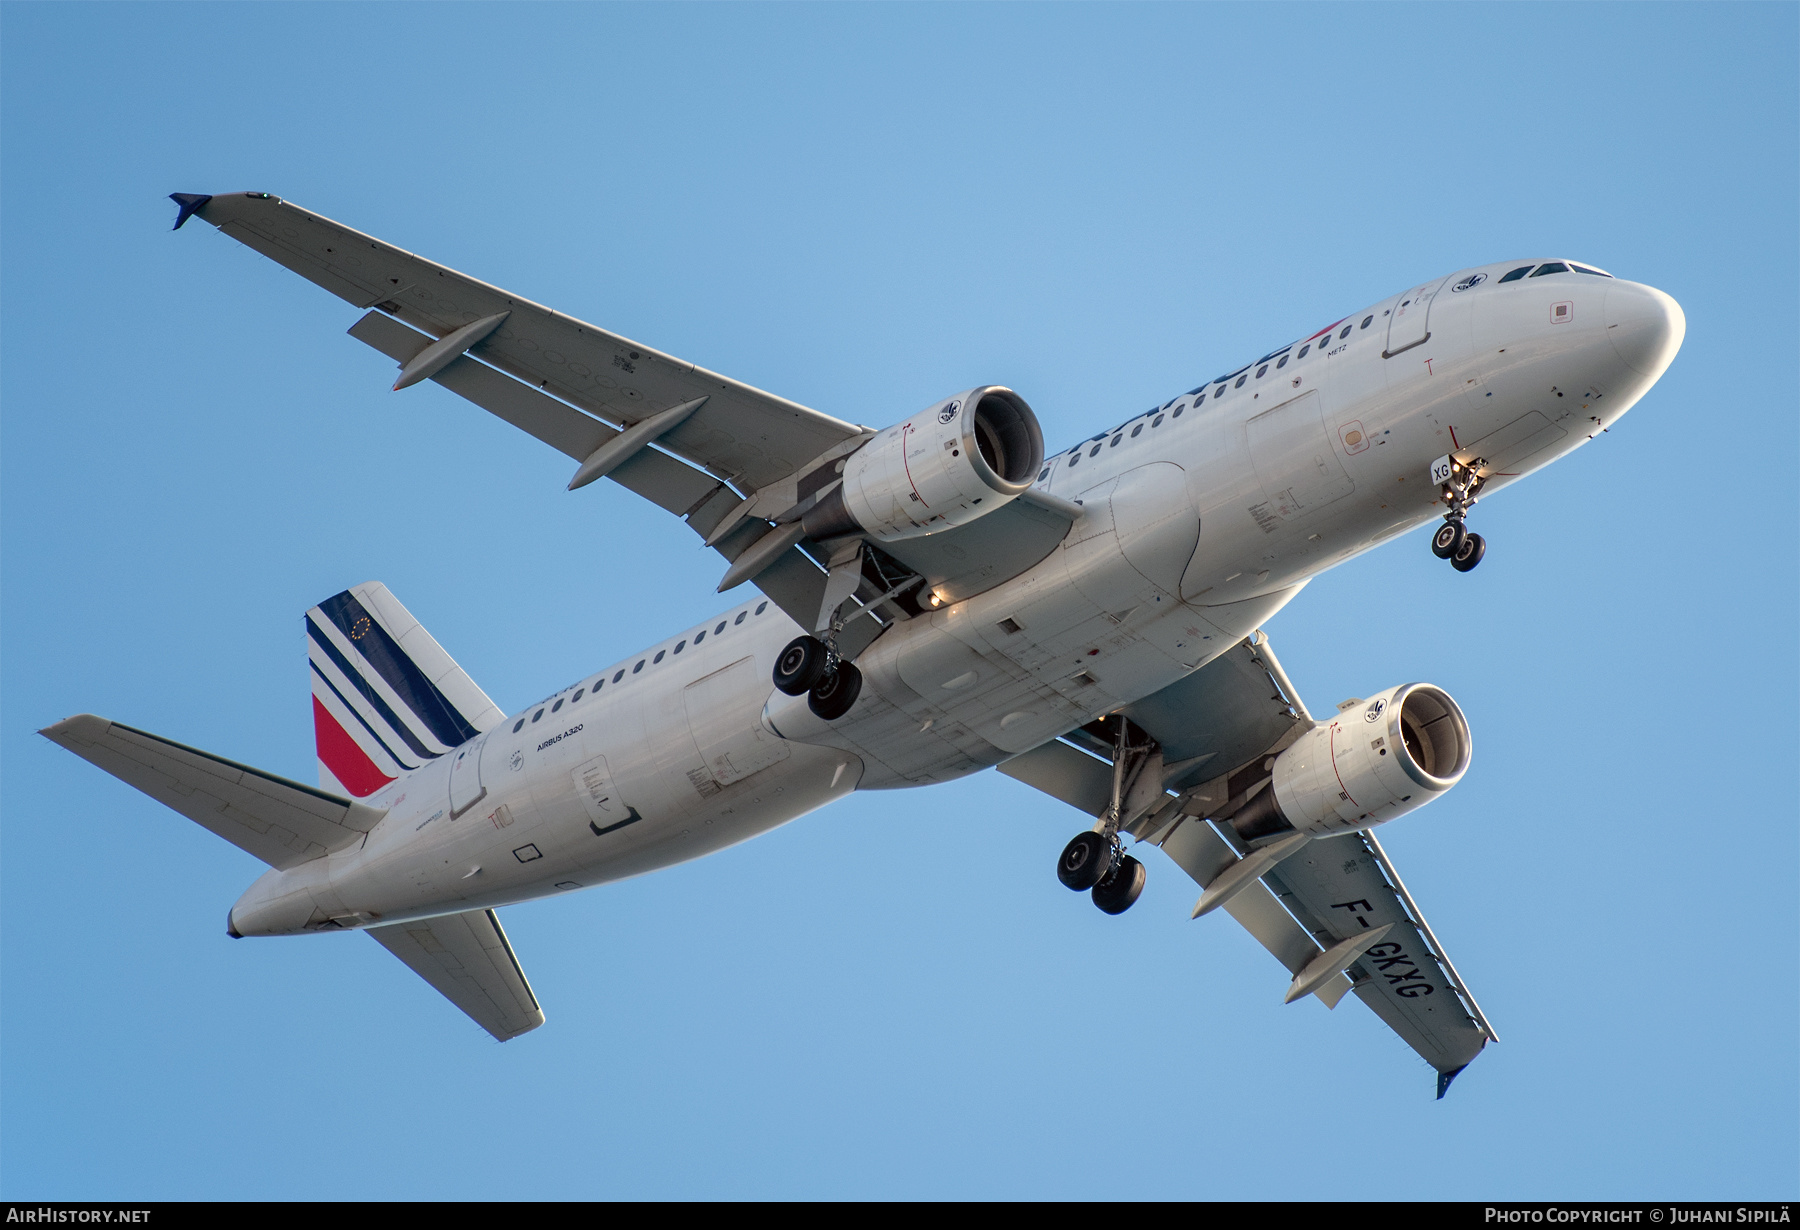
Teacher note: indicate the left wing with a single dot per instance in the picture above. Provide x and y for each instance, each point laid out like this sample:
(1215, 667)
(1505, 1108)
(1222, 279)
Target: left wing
(751, 457)
(1216, 731)
(468, 958)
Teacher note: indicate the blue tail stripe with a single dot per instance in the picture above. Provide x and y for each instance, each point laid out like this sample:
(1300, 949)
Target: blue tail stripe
(373, 734)
(369, 693)
(401, 673)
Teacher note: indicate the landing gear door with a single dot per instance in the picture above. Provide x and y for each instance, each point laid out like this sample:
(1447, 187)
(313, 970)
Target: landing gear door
(466, 789)
(1409, 324)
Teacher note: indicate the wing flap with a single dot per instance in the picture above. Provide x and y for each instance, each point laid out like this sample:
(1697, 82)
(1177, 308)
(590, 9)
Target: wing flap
(742, 433)
(468, 959)
(281, 822)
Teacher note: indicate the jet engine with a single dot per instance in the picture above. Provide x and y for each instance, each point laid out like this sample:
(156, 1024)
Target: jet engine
(1376, 760)
(945, 466)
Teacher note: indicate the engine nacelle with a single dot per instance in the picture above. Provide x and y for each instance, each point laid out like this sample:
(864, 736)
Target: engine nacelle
(1382, 758)
(945, 466)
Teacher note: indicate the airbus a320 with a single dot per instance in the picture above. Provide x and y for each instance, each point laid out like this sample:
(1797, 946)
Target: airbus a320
(935, 598)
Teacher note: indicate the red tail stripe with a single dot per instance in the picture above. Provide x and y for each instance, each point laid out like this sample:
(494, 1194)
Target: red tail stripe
(347, 762)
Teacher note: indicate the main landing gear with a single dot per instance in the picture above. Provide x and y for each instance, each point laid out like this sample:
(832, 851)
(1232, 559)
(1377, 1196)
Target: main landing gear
(808, 665)
(1453, 541)
(1095, 861)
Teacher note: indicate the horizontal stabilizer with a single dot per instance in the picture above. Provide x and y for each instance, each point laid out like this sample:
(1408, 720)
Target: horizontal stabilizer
(279, 821)
(467, 958)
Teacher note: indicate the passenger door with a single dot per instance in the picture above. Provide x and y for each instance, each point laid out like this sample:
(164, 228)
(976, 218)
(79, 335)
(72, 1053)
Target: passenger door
(1410, 323)
(466, 789)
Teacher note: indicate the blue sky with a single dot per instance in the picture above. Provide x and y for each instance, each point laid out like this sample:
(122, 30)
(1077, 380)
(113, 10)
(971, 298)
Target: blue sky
(866, 208)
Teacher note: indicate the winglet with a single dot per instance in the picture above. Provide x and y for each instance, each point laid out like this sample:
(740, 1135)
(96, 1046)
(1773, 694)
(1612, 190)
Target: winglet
(191, 203)
(1444, 1079)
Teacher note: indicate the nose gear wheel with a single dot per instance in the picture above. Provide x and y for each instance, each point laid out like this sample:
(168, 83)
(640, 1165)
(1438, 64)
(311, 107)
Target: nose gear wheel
(1453, 541)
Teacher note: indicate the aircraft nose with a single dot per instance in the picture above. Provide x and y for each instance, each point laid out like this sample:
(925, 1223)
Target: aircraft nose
(1644, 325)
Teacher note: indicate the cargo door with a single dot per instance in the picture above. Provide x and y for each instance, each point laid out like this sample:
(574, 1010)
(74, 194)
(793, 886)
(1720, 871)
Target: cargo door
(1295, 461)
(723, 713)
(1410, 322)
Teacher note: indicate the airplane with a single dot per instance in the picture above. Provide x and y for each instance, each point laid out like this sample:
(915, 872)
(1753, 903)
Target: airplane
(934, 598)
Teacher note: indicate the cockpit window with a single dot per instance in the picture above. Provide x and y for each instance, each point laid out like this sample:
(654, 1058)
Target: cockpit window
(1516, 274)
(1552, 267)
(1599, 273)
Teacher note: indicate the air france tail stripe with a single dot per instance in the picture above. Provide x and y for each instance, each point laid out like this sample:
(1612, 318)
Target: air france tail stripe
(361, 720)
(365, 679)
(402, 674)
(347, 762)
(369, 693)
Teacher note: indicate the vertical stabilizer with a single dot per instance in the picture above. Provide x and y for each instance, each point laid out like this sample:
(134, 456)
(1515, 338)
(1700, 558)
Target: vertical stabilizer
(387, 699)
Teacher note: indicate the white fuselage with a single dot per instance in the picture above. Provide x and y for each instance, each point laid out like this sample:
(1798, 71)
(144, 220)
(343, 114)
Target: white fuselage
(1200, 520)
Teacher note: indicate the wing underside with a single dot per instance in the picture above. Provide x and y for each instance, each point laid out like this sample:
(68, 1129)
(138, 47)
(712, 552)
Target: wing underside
(1217, 732)
(739, 465)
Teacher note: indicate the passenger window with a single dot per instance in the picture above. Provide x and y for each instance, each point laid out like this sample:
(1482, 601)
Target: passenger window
(740, 618)
(1281, 363)
(1584, 269)
(1199, 401)
(537, 715)
(1218, 392)
(1516, 274)
(1552, 267)
(1043, 474)
(1115, 441)
(680, 645)
(1304, 349)
(1240, 382)
(598, 684)
(720, 628)
(1137, 431)
(660, 655)
(618, 675)
(1262, 371)
(761, 607)
(1157, 421)
(557, 707)
(638, 667)
(1177, 413)
(1073, 458)
(1344, 334)
(518, 726)
(699, 636)
(579, 693)
(1095, 451)
(1367, 321)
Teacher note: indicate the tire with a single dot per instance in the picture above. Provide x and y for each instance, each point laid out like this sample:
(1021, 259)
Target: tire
(1473, 548)
(1116, 893)
(1084, 861)
(833, 695)
(1448, 540)
(800, 665)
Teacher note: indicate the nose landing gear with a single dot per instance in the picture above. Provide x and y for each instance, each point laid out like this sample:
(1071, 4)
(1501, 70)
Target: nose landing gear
(1095, 861)
(1453, 541)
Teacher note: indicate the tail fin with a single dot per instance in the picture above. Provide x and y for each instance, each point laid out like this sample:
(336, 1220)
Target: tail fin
(386, 697)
